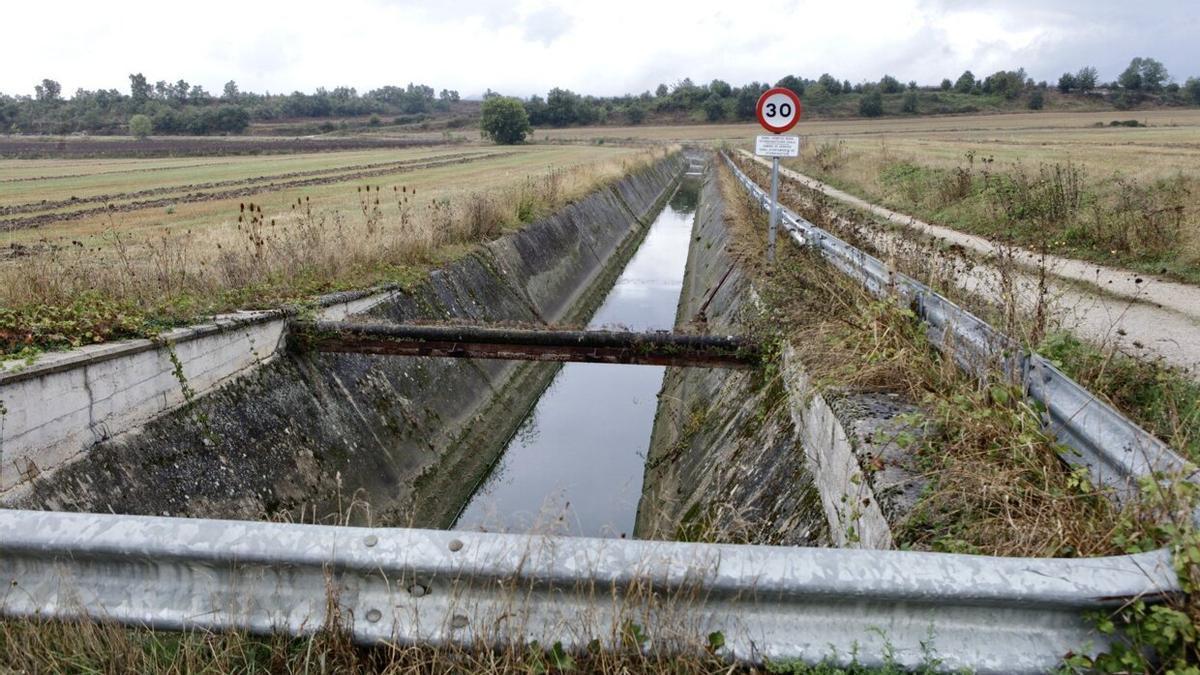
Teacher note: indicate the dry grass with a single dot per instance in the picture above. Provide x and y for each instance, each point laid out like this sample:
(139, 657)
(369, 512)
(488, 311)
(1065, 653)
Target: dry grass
(1038, 127)
(98, 647)
(262, 254)
(996, 482)
(1117, 195)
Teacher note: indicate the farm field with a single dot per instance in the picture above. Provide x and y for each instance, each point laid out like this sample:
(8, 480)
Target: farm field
(1045, 123)
(57, 147)
(133, 242)
(1070, 183)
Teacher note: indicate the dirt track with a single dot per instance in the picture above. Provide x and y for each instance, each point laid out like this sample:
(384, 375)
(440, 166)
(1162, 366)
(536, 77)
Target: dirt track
(1142, 314)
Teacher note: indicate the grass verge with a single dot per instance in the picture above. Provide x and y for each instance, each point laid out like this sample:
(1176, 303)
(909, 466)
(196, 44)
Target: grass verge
(1091, 210)
(996, 484)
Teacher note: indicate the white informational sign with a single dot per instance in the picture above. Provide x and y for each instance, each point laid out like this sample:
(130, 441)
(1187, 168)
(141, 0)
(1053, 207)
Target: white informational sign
(777, 146)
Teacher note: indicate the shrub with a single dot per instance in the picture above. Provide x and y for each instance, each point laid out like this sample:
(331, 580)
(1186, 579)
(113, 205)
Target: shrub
(890, 85)
(910, 102)
(871, 104)
(139, 126)
(1037, 100)
(505, 120)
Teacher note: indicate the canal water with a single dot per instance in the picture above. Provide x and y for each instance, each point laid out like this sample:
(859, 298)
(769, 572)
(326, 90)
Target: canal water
(575, 465)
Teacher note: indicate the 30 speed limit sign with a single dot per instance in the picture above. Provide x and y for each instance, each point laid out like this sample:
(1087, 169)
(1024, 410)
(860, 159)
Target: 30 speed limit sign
(778, 109)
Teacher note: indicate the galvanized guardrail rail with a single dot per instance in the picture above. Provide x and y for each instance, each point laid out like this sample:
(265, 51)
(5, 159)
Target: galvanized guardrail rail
(1116, 451)
(407, 586)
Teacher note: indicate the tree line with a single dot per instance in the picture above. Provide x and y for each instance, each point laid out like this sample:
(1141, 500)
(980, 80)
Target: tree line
(718, 101)
(184, 108)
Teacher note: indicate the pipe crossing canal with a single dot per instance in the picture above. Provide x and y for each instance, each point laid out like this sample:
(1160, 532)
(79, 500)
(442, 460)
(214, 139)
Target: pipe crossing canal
(576, 463)
(658, 348)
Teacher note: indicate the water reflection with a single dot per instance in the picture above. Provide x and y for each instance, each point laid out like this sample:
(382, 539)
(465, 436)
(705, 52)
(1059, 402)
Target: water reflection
(575, 466)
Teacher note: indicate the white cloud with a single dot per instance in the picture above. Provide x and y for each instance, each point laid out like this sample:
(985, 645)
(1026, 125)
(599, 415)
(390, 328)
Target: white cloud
(618, 46)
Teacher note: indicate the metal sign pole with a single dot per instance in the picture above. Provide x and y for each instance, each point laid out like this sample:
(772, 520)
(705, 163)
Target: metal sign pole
(774, 209)
(778, 109)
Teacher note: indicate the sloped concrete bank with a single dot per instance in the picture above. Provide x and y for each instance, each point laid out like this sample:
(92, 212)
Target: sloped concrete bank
(763, 456)
(283, 432)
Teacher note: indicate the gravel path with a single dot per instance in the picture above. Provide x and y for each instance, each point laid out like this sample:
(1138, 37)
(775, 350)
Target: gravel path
(1143, 314)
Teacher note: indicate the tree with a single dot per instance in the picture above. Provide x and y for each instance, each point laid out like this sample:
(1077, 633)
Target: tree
(714, 108)
(661, 91)
(792, 82)
(48, 91)
(198, 96)
(231, 94)
(965, 82)
(449, 96)
(635, 113)
(747, 100)
(890, 85)
(1143, 74)
(505, 120)
(1085, 79)
(1192, 87)
(1131, 78)
(562, 107)
(909, 104)
(871, 104)
(1067, 82)
(1037, 100)
(947, 84)
(1007, 83)
(139, 126)
(139, 88)
(831, 85)
(721, 88)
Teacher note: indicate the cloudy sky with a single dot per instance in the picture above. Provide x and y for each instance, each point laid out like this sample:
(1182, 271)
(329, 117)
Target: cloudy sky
(601, 47)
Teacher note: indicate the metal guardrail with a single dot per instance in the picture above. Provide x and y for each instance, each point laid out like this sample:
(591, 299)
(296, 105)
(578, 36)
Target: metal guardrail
(406, 586)
(1116, 451)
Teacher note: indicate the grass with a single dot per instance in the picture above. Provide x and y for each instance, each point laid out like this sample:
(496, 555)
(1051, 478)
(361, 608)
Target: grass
(97, 647)
(1159, 397)
(1116, 195)
(122, 274)
(1035, 128)
(996, 483)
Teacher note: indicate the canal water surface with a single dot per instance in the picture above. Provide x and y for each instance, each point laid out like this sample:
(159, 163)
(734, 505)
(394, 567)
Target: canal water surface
(575, 465)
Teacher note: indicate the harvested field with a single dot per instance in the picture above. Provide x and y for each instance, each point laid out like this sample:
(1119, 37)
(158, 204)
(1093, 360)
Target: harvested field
(1039, 127)
(62, 210)
(23, 147)
(1071, 184)
(182, 238)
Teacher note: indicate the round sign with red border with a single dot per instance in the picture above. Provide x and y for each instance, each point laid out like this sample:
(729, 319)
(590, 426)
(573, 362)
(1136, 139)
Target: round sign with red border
(778, 109)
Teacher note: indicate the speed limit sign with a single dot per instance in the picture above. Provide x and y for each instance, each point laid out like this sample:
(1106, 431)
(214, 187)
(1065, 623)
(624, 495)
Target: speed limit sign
(778, 109)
